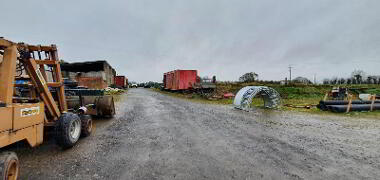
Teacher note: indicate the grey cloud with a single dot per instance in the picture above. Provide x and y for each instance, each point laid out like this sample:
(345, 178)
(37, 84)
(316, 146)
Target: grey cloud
(144, 38)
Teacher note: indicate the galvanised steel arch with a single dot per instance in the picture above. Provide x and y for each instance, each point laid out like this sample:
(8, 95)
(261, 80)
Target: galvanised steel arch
(243, 98)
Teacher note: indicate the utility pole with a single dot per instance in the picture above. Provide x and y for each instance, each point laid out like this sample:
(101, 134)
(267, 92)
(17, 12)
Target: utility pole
(315, 78)
(290, 73)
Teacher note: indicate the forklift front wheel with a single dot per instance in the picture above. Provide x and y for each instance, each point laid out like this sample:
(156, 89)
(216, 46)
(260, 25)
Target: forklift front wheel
(9, 166)
(68, 130)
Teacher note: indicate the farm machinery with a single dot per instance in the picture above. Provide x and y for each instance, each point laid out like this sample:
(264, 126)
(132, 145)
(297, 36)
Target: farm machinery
(32, 98)
(93, 100)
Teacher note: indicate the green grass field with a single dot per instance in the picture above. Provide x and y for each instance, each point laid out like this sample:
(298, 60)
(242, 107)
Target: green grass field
(298, 95)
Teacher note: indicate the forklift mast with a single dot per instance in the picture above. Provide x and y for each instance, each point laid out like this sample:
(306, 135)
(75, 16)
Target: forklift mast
(37, 62)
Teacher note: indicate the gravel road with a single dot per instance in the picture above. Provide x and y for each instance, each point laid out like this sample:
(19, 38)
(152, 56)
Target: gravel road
(155, 136)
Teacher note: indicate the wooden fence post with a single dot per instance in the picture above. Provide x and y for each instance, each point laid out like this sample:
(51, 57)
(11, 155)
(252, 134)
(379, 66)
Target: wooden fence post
(373, 97)
(349, 103)
(326, 95)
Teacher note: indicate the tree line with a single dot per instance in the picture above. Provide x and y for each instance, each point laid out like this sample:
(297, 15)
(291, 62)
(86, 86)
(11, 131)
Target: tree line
(357, 77)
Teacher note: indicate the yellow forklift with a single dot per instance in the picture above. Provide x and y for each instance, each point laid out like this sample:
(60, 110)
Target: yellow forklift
(41, 103)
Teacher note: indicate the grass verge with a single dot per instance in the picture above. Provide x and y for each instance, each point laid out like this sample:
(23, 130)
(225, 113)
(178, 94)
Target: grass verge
(299, 96)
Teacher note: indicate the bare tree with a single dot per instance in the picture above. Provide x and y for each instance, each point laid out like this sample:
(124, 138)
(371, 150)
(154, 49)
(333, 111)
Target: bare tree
(249, 77)
(342, 81)
(354, 81)
(349, 80)
(372, 80)
(326, 81)
(358, 75)
(334, 80)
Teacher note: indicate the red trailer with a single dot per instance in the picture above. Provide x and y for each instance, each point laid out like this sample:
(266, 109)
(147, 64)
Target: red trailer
(121, 81)
(168, 80)
(180, 79)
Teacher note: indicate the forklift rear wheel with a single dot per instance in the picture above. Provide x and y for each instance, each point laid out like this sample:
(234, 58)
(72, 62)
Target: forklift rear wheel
(86, 125)
(9, 166)
(68, 130)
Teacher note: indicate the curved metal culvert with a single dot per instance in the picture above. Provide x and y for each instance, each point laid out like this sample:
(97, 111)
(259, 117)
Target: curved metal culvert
(243, 98)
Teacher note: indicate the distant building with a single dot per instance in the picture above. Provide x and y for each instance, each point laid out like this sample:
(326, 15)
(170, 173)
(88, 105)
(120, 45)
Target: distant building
(302, 80)
(92, 74)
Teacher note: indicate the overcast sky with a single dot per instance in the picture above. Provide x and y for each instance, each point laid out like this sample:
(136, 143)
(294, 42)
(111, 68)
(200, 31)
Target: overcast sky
(142, 39)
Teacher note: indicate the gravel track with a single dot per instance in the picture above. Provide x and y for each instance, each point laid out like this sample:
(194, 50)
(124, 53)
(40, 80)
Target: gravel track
(155, 136)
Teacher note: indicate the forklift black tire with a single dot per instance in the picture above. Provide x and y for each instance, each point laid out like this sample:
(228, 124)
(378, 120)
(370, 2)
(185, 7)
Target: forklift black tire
(86, 125)
(9, 166)
(68, 130)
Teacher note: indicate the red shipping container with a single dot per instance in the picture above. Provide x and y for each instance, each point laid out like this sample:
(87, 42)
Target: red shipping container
(169, 80)
(180, 79)
(120, 81)
(164, 80)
